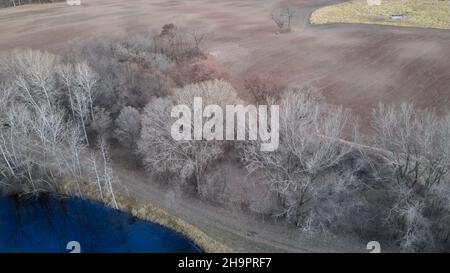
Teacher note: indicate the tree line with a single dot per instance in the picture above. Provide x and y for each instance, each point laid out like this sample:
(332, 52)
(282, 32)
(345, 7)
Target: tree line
(61, 116)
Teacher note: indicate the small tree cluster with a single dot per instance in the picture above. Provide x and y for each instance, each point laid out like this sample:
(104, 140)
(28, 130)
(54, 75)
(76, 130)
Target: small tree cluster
(203, 70)
(46, 108)
(416, 147)
(188, 159)
(310, 133)
(133, 70)
(264, 88)
(179, 44)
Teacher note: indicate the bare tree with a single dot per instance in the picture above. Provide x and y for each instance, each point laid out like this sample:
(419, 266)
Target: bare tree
(310, 131)
(128, 126)
(86, 79)
(188, 159)
(178, 43)
(416, 143)
(5, 98)
(198, 39)
(41, 146)
(79, 81)
(417, 149)
(34, 147)
(34, 121)
(103, 123)
(81, 109)
(283, 18)
(108, 173)
(65, 73)
(32, 73)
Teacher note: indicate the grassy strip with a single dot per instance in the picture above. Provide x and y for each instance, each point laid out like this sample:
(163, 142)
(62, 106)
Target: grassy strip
(153, 214)
(417, 13)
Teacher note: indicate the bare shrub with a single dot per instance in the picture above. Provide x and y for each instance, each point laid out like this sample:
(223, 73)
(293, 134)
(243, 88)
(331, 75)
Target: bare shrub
(131, 49)
(139, 49)
(102, 123)
(131, 71)
(264, 88)
(134, 69)
(128, 127)
(158, 61)
(203, 70)
(168, 29)
(179, 44)
(137, 87)
(309, 91)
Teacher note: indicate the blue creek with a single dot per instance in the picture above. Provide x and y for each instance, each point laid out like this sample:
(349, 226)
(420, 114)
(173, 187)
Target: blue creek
(48, 224)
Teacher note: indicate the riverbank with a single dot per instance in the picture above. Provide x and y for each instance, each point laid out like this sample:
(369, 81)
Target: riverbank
(239, 229)
(152, 213)
(52, 223)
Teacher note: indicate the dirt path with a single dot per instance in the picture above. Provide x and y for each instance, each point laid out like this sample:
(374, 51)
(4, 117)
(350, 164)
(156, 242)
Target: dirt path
(237, 229)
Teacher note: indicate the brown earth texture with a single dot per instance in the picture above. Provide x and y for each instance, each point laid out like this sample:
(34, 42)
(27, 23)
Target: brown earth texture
(354, 65)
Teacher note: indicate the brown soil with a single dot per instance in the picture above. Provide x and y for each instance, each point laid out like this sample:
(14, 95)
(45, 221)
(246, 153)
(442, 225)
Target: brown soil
(354, 65)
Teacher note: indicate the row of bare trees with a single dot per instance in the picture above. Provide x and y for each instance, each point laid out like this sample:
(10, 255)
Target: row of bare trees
(314, 164)
(47, 106)
(59, 114)
(323, 175)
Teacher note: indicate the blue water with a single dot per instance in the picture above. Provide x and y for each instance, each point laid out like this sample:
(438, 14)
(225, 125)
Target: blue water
(48, 224)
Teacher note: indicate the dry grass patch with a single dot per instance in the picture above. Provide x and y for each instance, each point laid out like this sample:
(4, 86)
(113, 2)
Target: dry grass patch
(416, 13)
